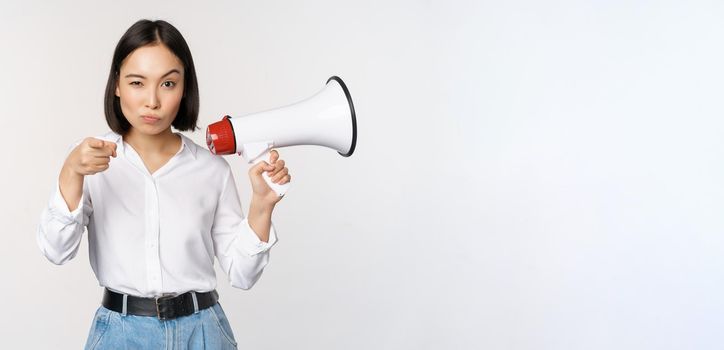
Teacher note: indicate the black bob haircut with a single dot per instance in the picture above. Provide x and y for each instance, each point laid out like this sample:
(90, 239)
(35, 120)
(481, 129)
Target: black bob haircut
(142, 33)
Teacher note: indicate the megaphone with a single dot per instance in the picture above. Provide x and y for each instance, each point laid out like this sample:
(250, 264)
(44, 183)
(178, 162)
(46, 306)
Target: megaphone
(326, 119)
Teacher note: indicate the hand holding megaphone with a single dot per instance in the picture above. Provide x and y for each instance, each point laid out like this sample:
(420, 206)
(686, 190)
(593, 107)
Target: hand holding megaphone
(272, 171)
(325, 119)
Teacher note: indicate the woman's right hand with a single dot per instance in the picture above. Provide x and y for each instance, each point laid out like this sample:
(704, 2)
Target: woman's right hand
(91, 156)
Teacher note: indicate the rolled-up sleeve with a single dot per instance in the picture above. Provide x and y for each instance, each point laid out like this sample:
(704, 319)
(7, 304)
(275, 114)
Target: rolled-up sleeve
(240, 252)
(61, 230)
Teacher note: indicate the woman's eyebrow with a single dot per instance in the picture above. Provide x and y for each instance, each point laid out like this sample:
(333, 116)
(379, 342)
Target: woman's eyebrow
(142, 77)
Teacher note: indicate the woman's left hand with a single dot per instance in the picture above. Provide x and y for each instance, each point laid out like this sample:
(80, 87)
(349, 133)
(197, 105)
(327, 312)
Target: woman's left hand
(278, 173)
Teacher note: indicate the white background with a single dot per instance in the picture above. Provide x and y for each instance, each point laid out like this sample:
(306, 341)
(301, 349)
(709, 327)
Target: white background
(528, 174)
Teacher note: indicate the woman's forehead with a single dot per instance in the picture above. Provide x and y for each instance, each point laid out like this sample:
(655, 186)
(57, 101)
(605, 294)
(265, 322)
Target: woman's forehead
(151, 61)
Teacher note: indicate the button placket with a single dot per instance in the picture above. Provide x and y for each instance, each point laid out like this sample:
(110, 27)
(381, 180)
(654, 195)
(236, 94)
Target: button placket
(153, 261)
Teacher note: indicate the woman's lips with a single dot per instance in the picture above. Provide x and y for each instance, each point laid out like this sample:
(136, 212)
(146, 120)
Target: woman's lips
(150, 119)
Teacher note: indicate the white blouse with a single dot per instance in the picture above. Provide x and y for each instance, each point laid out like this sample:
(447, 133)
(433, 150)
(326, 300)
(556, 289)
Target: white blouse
(157, 234)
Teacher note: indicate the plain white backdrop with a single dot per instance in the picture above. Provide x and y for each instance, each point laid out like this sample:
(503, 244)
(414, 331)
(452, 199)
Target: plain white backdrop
(528, 174)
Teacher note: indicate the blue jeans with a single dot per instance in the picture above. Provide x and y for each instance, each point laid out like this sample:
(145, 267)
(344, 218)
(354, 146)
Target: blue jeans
(206, 329)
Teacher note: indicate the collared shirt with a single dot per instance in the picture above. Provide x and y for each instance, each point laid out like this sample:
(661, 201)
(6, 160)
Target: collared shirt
(157, 234)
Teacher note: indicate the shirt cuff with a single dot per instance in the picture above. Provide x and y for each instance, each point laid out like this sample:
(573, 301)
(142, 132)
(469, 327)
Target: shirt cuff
(251, 242)
(60, 209)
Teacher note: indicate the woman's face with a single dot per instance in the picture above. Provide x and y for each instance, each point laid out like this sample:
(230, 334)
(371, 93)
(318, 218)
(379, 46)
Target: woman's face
(150, 88)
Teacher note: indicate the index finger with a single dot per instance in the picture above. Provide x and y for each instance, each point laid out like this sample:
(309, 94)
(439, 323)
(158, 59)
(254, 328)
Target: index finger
(96, 143)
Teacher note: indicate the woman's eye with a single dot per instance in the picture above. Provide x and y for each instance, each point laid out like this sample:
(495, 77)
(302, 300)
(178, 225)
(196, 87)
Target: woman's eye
(169, 84)
(135, 83)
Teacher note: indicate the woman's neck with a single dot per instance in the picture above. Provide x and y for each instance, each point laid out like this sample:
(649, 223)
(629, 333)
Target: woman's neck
(164, 142)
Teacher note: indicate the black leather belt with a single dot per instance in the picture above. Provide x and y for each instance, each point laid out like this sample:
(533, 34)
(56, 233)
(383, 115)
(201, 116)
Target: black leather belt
(165, 308)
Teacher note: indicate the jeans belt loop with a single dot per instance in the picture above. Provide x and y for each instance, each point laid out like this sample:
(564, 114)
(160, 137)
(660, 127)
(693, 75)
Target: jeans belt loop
(124, 310)
(196, 302)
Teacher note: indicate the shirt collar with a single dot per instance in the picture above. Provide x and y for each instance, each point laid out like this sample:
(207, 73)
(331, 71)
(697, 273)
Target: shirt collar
(186, 143)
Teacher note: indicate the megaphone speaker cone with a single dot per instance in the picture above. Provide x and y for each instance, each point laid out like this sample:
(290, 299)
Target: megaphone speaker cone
(352, 114)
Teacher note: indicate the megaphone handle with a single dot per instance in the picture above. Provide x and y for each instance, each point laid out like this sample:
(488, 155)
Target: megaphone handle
(279, 189)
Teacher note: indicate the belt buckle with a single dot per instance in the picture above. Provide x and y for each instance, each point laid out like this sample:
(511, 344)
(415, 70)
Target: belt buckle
(160, 300)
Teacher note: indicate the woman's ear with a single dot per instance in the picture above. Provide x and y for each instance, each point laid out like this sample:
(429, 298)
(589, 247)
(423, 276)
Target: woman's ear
(118, 90)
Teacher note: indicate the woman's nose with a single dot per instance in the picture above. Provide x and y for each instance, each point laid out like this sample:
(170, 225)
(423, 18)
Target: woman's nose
(152, 100)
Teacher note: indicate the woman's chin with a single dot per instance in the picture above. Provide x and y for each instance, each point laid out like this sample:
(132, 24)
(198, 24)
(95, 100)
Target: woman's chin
(151, 130)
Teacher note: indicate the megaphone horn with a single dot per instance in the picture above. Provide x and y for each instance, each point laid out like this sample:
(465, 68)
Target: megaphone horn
(327, 119)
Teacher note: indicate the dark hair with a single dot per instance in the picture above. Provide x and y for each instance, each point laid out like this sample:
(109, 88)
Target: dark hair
(142, 33)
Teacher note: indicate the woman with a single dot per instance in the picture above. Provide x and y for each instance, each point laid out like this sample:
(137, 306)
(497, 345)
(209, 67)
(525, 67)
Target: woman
(157, 206)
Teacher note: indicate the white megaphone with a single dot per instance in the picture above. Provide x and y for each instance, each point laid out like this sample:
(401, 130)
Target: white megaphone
(325, 119)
